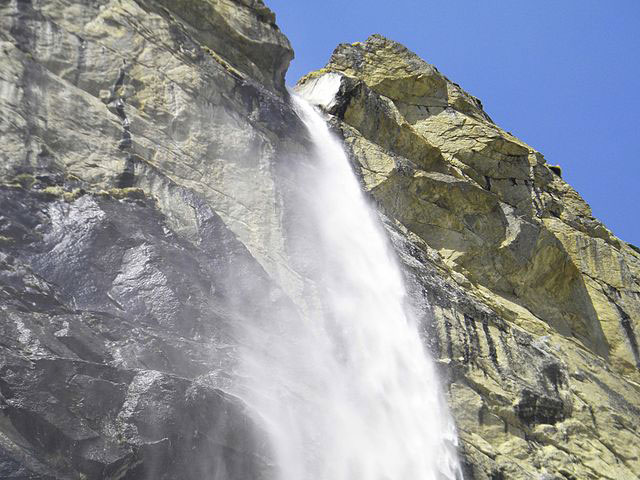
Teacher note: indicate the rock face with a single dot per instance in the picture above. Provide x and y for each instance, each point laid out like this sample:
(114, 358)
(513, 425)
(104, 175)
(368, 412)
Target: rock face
(531, 304)
(138, 142)
(144, 181)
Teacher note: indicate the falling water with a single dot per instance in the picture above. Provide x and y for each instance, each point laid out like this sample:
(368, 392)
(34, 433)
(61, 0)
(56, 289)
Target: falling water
(348, 392)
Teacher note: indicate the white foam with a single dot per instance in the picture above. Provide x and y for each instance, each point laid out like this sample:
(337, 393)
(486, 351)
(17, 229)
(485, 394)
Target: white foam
(322, 90)
(349, 392)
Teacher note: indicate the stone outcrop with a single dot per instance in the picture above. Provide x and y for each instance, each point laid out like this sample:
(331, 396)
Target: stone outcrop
(138, 140)
(533, 304)
(144, 189)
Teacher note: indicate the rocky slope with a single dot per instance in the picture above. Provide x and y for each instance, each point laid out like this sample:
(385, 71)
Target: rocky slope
(145, 191)
(536, 304)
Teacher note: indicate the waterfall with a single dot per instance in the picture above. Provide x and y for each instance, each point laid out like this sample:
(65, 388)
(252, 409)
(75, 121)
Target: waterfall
(348, 392)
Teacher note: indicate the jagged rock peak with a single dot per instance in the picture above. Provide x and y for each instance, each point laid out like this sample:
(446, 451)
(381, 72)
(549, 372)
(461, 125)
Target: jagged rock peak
(391, 69)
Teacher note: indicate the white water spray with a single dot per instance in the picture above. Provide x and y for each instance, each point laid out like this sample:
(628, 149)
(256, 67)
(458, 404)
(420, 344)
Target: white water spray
(348, 393)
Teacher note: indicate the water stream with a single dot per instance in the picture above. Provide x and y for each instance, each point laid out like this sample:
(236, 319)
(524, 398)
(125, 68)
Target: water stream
(349, 393)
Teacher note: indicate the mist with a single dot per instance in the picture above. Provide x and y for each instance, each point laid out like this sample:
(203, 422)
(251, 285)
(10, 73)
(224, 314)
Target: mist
(341, 383)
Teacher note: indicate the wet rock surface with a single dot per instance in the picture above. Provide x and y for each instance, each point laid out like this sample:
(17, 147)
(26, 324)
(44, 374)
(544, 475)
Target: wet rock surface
(120, 282)
(113, 330)
(145, 186)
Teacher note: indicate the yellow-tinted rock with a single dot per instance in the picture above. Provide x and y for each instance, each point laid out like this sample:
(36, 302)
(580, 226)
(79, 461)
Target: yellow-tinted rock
(541, 342)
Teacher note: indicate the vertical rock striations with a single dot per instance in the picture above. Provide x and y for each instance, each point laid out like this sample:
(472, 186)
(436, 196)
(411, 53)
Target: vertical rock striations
(144, 200)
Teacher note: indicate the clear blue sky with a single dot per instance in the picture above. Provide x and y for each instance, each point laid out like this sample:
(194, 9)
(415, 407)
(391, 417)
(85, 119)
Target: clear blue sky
(562, 75)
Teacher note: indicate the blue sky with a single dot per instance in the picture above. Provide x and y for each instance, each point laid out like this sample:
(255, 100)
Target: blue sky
(562, 75)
